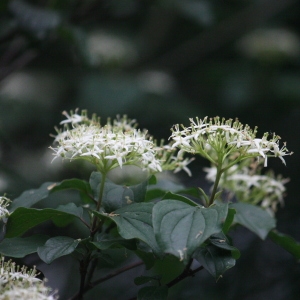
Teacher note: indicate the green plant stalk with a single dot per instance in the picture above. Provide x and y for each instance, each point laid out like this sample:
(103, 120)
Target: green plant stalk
(216, 184)
(95, 219)
(87, 275)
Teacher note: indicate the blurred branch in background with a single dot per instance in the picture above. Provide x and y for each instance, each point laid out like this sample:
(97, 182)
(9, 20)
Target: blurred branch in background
(196, 49)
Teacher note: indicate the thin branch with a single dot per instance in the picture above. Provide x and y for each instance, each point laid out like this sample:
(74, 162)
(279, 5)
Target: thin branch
(109, 276)
(187, 272)
(18, 63)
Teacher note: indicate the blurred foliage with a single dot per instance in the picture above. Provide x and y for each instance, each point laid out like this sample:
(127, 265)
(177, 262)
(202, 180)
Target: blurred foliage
(159, 62)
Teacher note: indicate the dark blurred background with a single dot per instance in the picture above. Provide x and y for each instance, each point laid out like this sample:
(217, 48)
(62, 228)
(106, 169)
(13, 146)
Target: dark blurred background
(160, 62)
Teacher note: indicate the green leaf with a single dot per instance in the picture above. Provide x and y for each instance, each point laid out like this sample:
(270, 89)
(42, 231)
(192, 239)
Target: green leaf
(152, 180)
(147, 257)
(22, 219)
(31, 197)
(154, 194)
(286, 242)
(71, 209)
(106, 260)
(139, 191)
(56, 247)
(145, 279)
(181, 198)
(153, 293)
(135, 221)
(105, 241)
(229, 220)
(220, 240)
(215, 260)
(192, 191)
(76, 184)
(181, 228)
(20, 247)
(254, 218)
(116, 196)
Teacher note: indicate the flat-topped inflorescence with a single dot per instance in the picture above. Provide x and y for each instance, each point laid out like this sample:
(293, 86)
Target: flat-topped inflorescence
(216, 139)
(115, 144)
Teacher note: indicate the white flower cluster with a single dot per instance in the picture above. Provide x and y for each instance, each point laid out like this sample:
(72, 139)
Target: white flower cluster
(115, 144)
(170, 161)
(4, 203)
(216, 139)
(20, 283)
(246, 184)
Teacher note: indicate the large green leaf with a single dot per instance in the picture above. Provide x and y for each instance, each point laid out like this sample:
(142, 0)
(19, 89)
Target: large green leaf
(214, 259)
(153, 293)
(31, 197)
(56, 247)
(181, 228)
(134, 221)
(286, 242)
(254, 218)
(20, 247)
(22, 219)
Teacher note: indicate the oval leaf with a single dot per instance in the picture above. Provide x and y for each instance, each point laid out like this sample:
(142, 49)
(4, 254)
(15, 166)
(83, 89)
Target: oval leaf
(22, 219)
(286, 242)
(254, 218)
(56, 247)
(31, 197)
(215, 260)
(135, 221)
(181, 228)
(20, 247)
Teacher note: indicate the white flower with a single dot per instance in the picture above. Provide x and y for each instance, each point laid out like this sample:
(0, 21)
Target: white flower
(116, 144)
(73, 118)
(36, 292)
(246, 184)
(216, 139)
(20, 283)
(182, 165)
(4, 202)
